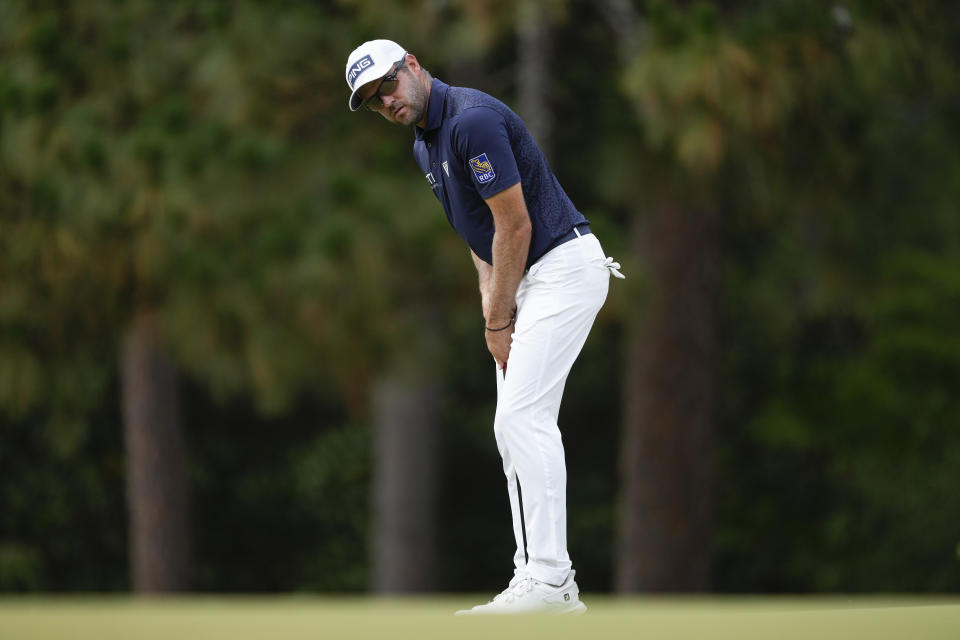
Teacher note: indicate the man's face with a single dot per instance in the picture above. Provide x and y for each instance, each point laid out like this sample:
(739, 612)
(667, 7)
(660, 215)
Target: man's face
(403, 102)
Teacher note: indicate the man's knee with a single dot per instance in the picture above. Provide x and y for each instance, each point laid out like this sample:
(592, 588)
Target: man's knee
(509, 420)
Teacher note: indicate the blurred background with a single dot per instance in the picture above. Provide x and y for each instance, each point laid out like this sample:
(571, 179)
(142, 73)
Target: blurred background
(241, 349)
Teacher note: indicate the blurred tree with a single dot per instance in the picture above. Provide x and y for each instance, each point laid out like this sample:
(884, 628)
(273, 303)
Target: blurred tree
(847, 201)
(732, 105)
(790, 116)
(534, 44)
(669, 379)
(406, 477)
(179, 169)
(404, 406)
(156, 473)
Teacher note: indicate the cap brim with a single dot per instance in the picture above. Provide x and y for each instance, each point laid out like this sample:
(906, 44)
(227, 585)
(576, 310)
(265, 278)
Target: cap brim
(355, 98)
(355, 101)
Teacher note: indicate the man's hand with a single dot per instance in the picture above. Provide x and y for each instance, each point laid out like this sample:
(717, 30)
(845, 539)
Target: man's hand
(498, 342)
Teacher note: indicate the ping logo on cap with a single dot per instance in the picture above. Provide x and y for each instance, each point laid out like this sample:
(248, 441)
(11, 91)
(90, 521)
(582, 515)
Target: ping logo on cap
(361, 65)
(482, 168)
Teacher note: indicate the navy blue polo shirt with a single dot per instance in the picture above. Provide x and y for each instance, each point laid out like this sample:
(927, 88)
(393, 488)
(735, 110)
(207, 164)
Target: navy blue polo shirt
(474, 147)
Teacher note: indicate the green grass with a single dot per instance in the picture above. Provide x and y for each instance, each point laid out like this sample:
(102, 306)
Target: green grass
(316, 618)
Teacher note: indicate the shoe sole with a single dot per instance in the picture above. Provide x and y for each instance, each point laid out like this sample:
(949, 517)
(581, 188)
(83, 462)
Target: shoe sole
(576, 610)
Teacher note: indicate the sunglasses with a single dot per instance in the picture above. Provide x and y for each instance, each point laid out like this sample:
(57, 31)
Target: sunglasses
(387, 86)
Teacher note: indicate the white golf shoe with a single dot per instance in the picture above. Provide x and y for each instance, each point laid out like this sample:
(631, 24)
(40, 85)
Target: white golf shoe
(525, 594)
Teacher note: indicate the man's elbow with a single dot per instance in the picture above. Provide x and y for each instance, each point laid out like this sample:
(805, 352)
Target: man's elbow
(524, 228)
(513, 228)
(518, 227)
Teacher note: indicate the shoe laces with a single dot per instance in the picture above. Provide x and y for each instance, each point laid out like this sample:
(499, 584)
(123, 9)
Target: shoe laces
(521, 584)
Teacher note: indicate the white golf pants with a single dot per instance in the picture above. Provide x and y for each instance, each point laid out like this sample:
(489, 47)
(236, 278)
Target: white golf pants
(557, 302)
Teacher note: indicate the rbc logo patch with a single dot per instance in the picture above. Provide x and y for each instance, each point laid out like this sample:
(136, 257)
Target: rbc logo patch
(482, 168)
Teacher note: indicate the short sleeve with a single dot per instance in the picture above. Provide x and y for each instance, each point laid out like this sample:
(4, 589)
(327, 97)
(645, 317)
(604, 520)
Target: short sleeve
(482, 142)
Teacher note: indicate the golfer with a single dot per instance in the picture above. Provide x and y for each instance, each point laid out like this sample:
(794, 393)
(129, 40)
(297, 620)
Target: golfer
(543, 278)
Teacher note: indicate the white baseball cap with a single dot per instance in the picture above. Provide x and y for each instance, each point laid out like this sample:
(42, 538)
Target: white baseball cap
(369, 61)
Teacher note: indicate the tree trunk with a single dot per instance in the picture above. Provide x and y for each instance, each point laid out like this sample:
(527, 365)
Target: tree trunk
(533, 72)
(405, 481)
(667, 449)
(156, 475)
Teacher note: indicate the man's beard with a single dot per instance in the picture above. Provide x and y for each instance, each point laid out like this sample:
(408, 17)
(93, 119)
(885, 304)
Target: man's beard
(417, 115)
(416, 104)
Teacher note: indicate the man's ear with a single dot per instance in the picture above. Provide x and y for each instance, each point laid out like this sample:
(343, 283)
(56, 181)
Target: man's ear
(412, 63)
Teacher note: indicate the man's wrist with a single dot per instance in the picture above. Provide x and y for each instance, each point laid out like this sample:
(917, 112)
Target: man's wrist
(496, 328)
(498, 321)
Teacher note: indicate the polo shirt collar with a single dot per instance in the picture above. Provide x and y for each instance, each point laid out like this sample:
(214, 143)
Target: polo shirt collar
(438, 93)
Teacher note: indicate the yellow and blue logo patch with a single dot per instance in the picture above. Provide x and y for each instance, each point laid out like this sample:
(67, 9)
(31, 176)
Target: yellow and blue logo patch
(482, 168)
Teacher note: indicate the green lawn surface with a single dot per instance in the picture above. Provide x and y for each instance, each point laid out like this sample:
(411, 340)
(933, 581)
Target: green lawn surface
(315, 618)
